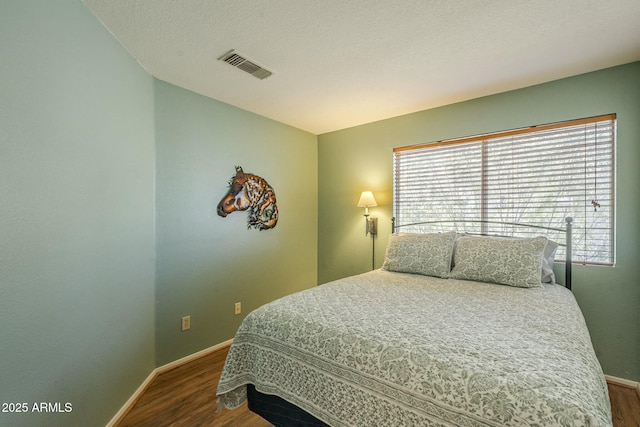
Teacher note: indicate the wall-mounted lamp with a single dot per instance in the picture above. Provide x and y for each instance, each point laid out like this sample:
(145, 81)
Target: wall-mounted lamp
(366, 200)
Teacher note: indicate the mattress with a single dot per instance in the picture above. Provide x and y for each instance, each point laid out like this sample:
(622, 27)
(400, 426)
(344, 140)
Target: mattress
(388, 348)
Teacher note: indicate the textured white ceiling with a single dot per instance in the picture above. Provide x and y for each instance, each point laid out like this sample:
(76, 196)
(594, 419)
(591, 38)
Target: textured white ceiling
(342, 63)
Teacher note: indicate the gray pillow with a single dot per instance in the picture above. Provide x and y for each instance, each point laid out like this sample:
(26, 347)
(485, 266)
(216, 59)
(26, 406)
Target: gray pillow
(426, 254)
(548, 257)
(516, 262)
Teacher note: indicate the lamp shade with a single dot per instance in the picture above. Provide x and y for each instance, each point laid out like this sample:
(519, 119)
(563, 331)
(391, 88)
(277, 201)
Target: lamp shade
(367, 200)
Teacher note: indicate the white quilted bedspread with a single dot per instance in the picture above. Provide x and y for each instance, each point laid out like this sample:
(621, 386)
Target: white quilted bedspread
(394, 349)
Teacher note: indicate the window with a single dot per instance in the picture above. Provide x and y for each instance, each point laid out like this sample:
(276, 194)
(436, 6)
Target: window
(538, 175)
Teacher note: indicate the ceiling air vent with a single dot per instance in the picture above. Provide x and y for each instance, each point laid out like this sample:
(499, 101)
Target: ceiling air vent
(235, 59)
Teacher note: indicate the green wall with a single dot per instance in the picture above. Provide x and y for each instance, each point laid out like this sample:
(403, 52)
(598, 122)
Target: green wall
(206, 263)
(100, 165)
(360, 158)
(76, 215)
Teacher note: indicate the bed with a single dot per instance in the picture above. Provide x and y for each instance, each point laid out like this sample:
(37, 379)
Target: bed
(453, 330)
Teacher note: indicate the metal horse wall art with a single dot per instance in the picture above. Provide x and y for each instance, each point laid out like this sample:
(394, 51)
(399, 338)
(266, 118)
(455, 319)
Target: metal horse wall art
(253, 193)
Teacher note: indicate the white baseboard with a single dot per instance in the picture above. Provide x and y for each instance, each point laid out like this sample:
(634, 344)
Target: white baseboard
(193, 356)
(134, 397)
(624, 383)
(157, 371)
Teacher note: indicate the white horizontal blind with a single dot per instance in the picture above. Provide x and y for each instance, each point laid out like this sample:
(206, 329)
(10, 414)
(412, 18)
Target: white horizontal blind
(439, 183)
(536, 176)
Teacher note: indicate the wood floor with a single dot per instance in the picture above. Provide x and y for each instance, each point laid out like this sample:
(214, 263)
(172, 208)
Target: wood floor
(625, 406)
(186, 396)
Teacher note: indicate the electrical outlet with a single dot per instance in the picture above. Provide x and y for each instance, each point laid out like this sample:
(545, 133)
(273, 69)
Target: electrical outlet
(186, 323)
(238, 308)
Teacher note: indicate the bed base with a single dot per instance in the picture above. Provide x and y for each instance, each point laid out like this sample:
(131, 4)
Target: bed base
(278, 411)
